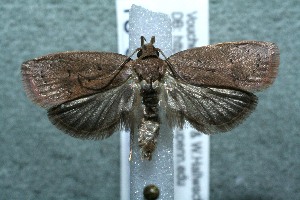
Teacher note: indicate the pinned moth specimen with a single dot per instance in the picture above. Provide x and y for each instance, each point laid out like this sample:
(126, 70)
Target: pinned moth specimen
(94, 94)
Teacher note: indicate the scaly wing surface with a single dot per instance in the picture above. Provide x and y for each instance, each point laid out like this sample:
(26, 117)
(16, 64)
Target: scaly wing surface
(208, 109)
(246, 65)
(57, 78)
(99, 115)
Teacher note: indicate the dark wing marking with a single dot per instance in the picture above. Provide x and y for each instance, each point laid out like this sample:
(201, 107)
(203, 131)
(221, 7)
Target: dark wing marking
(247, 65)
(56, 78)
(208, 109)
(97, 116)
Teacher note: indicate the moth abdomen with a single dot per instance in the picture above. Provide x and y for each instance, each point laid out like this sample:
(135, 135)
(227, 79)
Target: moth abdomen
(150, 123)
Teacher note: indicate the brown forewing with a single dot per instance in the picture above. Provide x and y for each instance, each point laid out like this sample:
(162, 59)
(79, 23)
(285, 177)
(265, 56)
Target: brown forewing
(247, 65)
(57, 78)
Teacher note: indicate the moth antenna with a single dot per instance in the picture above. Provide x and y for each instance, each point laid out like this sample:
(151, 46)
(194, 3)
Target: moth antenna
(175, 74)
(114, 74)
(128, 59)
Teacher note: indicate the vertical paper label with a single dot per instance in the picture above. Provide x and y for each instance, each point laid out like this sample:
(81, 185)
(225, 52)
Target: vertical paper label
(184, 30)
(191, 162)
(191, 148)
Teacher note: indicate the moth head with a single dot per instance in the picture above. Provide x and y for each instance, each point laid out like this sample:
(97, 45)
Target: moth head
(148, 49)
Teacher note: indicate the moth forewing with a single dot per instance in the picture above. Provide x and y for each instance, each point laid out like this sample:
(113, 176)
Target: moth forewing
(57, 78)
(246, 65)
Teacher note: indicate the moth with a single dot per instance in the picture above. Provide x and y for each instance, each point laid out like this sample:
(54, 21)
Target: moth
(91, 95)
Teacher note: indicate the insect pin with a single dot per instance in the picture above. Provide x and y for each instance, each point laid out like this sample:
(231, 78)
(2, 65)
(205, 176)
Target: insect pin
(91, 95)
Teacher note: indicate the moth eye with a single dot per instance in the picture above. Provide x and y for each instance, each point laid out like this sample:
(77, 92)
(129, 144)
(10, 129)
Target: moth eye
(139, 53)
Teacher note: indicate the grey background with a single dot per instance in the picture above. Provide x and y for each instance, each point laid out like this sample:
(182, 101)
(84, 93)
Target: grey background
(257, 160)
